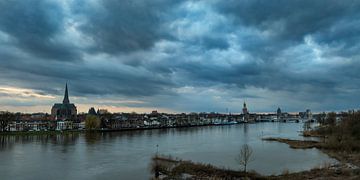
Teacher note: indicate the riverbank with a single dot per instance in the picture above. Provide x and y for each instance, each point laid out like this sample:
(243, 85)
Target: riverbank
(172, 168)
(344, 157)
(56, 132)
(348, 166)
(168, 168)
(40, 133)
(295, 144)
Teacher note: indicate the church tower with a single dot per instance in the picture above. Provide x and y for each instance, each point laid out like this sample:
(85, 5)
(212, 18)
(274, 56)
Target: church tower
(245, 113)
(66, 110)
(278, 113)
(66, 96)
(245, 110)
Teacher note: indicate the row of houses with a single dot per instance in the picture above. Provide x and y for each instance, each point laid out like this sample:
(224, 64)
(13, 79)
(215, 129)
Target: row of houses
(132, 120)
(45, 122)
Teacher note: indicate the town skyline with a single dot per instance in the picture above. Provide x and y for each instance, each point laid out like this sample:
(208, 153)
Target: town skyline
(85, 109)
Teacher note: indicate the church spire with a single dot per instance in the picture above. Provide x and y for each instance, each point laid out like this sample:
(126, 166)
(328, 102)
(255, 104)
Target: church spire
(66, 96)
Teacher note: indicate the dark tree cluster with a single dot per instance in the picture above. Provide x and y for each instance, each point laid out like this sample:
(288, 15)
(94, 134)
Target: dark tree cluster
(343, 133)
(5, 119)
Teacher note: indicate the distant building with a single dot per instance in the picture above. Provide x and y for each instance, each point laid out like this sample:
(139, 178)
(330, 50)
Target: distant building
(64, 111)
(102, 111)
(245, 112)
(278, 113)
(306, 115)
(64, 125)
(92, 111)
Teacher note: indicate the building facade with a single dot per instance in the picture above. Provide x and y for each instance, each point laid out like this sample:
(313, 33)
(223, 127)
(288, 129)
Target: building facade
(64, 111)
(245, 113)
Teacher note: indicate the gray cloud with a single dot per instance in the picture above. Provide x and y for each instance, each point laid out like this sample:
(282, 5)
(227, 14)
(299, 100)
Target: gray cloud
(123, 26)
(288, 22)
(171, 54)
(34, 26)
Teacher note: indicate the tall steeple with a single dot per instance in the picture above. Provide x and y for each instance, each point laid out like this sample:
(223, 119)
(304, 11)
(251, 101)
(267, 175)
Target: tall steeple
(245, 110)
(66, 96)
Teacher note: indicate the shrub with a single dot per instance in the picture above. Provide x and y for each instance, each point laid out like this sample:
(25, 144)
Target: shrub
(92, 122)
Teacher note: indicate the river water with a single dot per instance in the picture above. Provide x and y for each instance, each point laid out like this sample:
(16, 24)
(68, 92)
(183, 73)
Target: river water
(127, 155)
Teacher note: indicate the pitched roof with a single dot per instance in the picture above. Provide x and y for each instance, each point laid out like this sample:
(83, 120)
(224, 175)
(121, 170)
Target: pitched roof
(64, 106)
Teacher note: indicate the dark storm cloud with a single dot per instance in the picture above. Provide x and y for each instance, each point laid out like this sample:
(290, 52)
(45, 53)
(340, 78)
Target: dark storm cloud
(288, 22)
(123, 26)
(261, 76)
(214, 43)
(33, 25)
(307, 50)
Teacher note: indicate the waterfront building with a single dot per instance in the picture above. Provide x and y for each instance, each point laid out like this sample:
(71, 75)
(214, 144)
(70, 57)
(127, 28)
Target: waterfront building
(64, 125)
(64, 111)
(245, 112)
(278, 113)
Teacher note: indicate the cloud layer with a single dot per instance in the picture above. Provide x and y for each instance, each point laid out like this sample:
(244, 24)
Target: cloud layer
(181, 56)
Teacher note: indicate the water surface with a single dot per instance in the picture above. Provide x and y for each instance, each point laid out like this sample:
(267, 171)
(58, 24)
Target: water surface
(126, 155)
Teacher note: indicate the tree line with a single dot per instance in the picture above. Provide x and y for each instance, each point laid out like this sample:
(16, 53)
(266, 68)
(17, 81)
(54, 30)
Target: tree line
(340, 133)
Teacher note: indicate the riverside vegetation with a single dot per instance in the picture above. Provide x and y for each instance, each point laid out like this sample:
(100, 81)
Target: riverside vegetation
(338, 139)
(341, 139)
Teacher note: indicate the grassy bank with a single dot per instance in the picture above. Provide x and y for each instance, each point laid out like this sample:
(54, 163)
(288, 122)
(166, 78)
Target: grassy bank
(339, 154)
(295, 144)
(347, 169)
(170, 168)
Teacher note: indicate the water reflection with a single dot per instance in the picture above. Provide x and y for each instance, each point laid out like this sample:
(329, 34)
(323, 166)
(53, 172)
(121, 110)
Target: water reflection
(8, 141)
(92, 137)
(5, 142)
(246, 131)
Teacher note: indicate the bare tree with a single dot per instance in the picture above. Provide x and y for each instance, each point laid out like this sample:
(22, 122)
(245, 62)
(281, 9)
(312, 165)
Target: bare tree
(244, 158)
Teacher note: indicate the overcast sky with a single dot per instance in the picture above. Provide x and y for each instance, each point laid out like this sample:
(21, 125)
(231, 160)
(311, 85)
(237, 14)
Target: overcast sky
(180, 56)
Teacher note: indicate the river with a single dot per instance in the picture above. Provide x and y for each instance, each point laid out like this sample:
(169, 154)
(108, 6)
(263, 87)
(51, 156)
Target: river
(127, 155)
